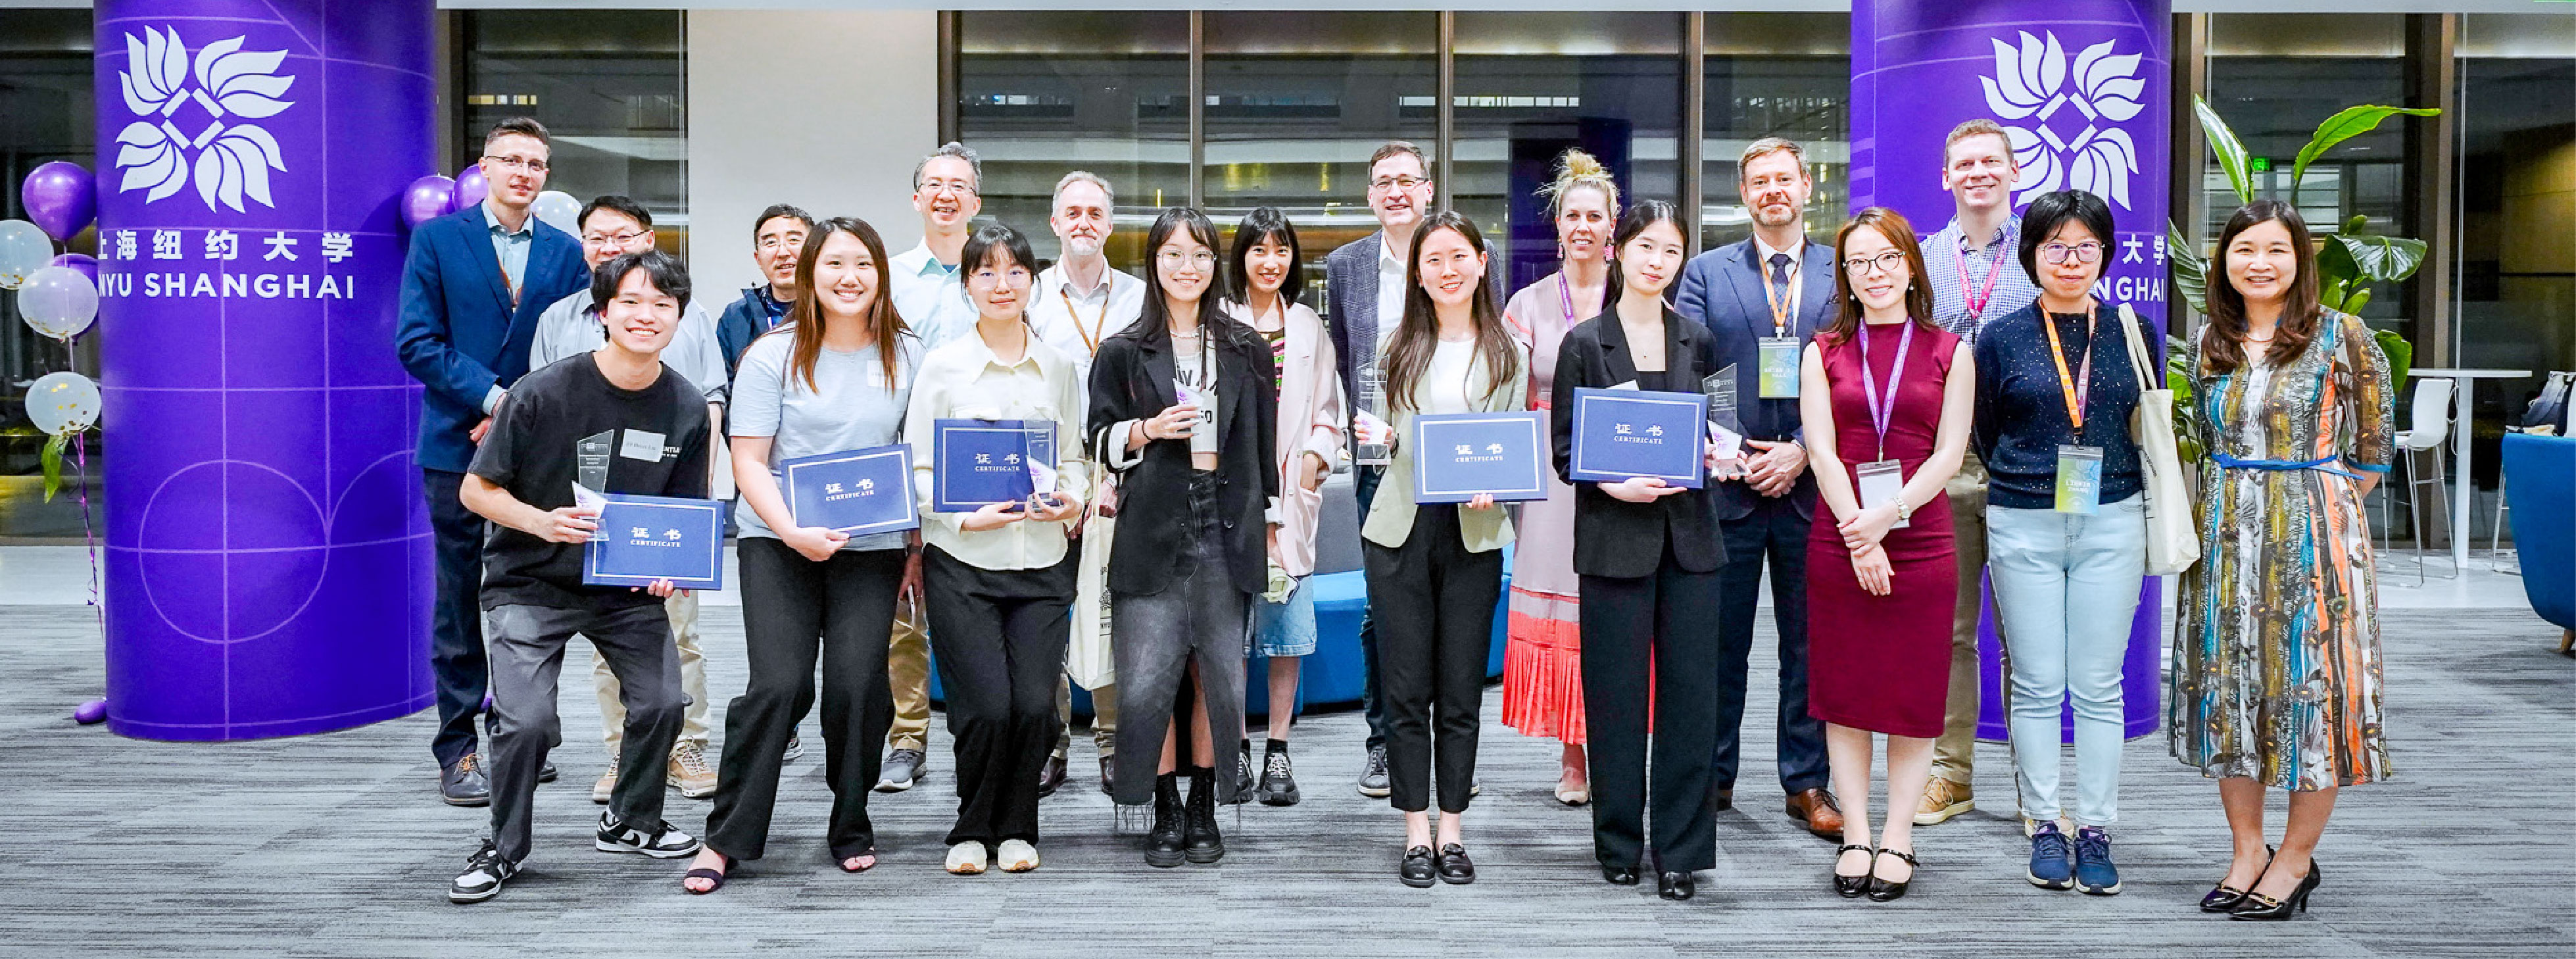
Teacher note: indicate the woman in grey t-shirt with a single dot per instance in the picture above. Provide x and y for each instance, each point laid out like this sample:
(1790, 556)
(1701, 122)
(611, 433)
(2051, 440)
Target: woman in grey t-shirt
(835, 377)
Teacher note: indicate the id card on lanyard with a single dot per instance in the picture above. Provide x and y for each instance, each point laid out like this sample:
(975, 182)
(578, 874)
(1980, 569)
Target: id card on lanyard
(1882, 480)
(1779, 351)
(2079, 467)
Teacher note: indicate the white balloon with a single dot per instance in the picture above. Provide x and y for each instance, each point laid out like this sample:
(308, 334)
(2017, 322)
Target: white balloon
(559, 210)
(62, 402)
(24, 249)
(58, 301)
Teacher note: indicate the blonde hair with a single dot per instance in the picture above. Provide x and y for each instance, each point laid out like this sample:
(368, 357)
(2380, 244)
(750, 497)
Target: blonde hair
(1978, 127)
(1577, 170)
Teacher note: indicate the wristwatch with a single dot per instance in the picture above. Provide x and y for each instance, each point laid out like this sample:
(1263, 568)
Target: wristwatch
(1904, 513)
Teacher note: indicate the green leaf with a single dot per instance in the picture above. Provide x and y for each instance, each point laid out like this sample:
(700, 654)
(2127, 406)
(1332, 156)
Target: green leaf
(2380, 259)
(2230, 151)
(2190, 270)
(53, 463)
(2353, 304)
(2401, 357)
(2346, 124)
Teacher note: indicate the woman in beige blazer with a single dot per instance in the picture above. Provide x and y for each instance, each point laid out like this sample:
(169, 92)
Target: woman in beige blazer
(1263, 291)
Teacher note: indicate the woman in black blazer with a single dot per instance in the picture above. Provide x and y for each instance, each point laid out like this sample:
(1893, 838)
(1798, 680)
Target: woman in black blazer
(1191, 546)
(1647, 554)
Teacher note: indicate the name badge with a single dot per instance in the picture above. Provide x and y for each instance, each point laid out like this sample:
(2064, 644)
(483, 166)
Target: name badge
(1881, 482)
(641, 445)
(2079, 479)
(1780, 367)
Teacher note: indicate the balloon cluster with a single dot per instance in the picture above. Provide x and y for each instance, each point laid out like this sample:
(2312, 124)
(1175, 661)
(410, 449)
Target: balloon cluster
(434, 196)
(57, 294)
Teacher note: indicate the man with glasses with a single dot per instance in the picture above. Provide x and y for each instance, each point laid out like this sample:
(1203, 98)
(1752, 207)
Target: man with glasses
(1974, 279)
(1075, 304)
(612, 226)
(777, 239)
(930, 293)
(1363, 294)
(474, 283)
(1765, 296)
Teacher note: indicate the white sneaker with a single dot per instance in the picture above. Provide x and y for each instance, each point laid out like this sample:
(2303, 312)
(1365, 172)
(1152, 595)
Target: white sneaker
(665, 842)
(1017, 855)
(967, 859)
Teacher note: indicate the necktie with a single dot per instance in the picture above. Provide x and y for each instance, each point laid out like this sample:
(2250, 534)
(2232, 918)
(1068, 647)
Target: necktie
(1780, 268)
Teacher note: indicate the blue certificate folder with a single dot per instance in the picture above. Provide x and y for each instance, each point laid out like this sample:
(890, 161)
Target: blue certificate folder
(860, 492)
(1459, 455)
(645, 538)
(976, 463)
(1623, 433)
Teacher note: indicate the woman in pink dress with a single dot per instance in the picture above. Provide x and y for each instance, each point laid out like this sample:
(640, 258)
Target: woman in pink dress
(1542, 656)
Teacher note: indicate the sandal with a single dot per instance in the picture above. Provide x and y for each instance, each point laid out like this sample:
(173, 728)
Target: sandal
(870, 856)
(715, 878)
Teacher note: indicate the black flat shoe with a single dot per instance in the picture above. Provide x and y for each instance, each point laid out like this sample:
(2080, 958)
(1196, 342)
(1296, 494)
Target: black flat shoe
(1416, 869)
(1675, 886)
(1851, 887)
(2223, 897)
(2261, 908)
(1883, 890)
(1619, 875)
(1455, 868)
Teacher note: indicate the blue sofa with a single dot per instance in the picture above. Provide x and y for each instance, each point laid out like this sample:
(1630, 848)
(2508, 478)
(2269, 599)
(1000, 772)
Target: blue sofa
(2540, 482)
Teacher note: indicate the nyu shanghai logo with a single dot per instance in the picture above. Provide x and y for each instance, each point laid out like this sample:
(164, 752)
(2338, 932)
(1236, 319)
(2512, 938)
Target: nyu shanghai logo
(2068, 136)
(232, 158)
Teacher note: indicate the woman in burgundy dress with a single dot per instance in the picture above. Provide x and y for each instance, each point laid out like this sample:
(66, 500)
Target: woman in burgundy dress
(1887, 398)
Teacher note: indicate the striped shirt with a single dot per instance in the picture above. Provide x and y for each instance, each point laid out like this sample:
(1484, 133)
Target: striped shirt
(1947, 257)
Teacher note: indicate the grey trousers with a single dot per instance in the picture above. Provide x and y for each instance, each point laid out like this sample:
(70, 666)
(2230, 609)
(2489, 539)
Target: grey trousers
(1199, 617)
(526, 652)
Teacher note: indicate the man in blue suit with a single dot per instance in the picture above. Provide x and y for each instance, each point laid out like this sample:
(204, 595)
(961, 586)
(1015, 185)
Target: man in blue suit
(1765, 297)
(474, 284)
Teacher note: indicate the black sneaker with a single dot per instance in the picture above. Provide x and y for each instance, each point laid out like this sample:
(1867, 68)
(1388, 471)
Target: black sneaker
(1243, 784)
(1278, 781)
(663, 842)
(484, 873)
(1373, 776)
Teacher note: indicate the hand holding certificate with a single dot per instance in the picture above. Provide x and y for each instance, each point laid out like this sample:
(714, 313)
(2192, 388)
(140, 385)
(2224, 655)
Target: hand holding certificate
(644, 541)
(1460, 457)
(980, 463)
(855, 493)
(1621, 435)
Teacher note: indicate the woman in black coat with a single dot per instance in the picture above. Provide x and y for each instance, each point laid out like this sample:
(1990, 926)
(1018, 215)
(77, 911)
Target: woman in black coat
(1647, 554)
(1182, 410)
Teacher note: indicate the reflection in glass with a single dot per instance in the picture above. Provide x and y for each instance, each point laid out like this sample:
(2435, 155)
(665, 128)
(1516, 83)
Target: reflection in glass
(1771, 74)
(45, 115)
(2516, 282)
(608, 84)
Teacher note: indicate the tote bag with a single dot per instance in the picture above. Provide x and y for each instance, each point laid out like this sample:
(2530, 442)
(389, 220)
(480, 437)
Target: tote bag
(2173, 539)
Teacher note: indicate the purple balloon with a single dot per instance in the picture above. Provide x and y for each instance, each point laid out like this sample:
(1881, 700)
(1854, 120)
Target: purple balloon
(90, 713)
(61, 199)
(470, 188)
(85, 263)
(426, 199)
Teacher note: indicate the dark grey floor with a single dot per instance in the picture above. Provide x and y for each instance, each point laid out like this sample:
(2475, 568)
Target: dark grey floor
(334, 845)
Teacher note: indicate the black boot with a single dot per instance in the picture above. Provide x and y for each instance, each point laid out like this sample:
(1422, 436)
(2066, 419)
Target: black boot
(1163, 845)
(1199, 838)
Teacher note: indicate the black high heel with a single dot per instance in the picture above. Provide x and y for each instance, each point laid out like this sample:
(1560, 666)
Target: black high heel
(1851, 887)
(1881, 890)
(2262, 908)
(2224, 897)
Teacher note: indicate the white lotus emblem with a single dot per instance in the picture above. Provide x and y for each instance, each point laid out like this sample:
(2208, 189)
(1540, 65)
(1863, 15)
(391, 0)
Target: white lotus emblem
(2069, 139)
(232, 160)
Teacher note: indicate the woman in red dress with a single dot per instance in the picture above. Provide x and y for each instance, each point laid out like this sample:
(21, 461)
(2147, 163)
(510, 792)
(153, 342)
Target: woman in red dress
(1887, 398)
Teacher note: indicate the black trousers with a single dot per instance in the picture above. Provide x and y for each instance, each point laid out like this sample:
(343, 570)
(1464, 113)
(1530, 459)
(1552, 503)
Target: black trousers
(1775, 532)
(1650, 639)
(1434, 605)
(998, 638)
(1364, 484)
(794, 611)
(456, 658)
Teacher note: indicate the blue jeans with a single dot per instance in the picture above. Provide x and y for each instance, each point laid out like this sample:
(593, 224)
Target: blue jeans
(2066, 590)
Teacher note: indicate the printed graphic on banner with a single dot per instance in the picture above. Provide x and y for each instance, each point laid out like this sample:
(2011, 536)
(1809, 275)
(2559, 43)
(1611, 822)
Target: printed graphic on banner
(227, 86)
(2067, 135)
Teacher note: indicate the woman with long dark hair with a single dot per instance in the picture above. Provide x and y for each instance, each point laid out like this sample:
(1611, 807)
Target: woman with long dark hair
(835, 377)
(2276, 670)
(1264, 290)
(998, 582)
(1435, 571)
(1182, 409)
(1647, 555)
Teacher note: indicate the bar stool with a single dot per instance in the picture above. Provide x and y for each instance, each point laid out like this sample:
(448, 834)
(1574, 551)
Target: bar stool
(2428, 424)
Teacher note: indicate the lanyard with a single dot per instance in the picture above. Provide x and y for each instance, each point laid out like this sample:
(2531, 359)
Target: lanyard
(1978, 297)
(1782, 301)
(1091, 336)
(1881, 413)
(2075, 401)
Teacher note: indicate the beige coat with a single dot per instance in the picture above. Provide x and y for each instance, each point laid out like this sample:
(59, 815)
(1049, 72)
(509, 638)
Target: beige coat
(1390, 517)
(1312, 418)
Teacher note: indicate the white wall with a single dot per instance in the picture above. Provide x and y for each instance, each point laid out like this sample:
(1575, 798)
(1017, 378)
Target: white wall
(827, 110)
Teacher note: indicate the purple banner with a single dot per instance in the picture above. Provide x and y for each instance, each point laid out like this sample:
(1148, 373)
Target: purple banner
(2081, 89)
(268, 562)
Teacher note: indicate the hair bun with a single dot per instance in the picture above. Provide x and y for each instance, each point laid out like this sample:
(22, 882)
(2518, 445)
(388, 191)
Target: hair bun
(1577, 163)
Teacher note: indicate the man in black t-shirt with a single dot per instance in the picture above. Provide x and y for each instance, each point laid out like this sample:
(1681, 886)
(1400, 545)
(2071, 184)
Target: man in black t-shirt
(649, 426)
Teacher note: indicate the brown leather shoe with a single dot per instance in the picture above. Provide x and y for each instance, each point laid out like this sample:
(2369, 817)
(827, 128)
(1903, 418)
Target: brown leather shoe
(1051, 776)
(1817, 809)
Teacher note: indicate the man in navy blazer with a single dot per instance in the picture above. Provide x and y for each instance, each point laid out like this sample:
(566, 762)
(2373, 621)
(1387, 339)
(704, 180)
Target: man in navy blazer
(474, 284)
(1775, 285)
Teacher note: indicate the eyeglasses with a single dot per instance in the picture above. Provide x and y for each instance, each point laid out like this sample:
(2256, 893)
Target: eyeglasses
(958, 187)
(1888, 262)
(1174, 259)
(1393, 184)
(2058, 253)
(782, 243)
(518, 163)
(598, 239)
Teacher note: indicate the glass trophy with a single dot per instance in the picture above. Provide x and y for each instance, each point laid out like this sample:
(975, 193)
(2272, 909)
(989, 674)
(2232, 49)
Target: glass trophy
(590, 466)
(1725, 425)
(1373, 400)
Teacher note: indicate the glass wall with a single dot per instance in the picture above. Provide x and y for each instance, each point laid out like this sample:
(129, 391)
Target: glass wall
(45, 115)
(1040, 93)
(2515, 279)
(1296, 102)
(608, 84)
(1775, 74)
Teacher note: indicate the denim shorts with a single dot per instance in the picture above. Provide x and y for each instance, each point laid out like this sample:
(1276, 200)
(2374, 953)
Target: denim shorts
(1286, 629)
